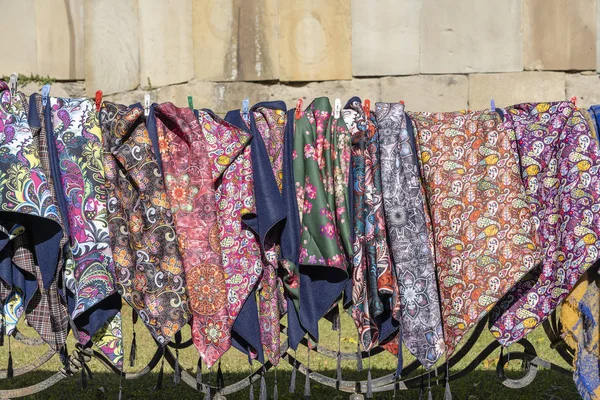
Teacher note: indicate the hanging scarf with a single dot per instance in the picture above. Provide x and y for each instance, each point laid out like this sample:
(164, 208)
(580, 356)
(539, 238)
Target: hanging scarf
(410, 237)
(214, 154)
(483, 237)
(374, 287)
(266, 122)
(51, 304)
(150, 274)
(320, 145)
(75, 146)
(560, 167)
(31, 232)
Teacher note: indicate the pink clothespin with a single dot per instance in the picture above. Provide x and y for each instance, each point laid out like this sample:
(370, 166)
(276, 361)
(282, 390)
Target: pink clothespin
(298, 108)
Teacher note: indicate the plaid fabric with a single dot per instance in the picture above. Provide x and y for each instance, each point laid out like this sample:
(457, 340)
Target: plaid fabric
(47, 310)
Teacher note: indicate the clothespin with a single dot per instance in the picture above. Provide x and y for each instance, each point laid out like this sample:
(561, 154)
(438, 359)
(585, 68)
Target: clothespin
(574, 100)
(337, 108)
(298, 108)
(190, 102)
(402, 102)
(493, 105)
(367, 108)
(98, 100)
(245, 107)
(45, 94)
(147, 104)
(12, 84)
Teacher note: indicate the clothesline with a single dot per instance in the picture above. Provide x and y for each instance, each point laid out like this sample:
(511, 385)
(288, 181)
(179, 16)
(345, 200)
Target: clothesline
(418, 224)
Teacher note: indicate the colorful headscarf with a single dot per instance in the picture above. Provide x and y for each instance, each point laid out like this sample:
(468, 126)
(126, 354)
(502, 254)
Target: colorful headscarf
(374, 287)
(483, 235)
(321, 147)
(149, 270)
(76, 156)
(560, 167)
(409, 234)
(266, 122)
(191, 146)
(31, 232)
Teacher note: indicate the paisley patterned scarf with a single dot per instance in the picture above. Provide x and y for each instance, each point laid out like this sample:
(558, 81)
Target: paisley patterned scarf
(410, 238)
(374, 287)
(150, 274)
(321, 146)
(266, 123)
(215, 154)
(75, 146)
(483, 236)
(31, 232)
(560, 166)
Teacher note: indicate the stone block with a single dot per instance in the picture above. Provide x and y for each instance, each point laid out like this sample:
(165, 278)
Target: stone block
(60, 39)
(471, 36)
(385, 37)
(427, 92)
(344, 90)
(166, 42)
(314, 40)
(111, 46)
(514, 88)
(19, 45)
(584, 87)
(559, 34)
(235, 40)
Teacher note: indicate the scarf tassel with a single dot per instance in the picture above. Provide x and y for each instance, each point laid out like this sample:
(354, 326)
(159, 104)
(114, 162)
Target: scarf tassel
(133, 351)
(275, 390)
(220, 377)
(159, 381)
(400, 365)
(262, 395)
(9, 371)
(199, 374)
(292, 388)
(177, 370)
(359, 363)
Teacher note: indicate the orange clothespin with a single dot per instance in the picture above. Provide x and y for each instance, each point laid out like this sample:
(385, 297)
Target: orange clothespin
(574, 100)
(367, 108)
(402, 102)
(298, 108)
(98, 100)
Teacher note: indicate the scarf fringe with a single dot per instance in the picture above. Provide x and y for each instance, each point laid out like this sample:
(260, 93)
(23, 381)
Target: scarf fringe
(262, 394)
(133, 351)
(292, 388)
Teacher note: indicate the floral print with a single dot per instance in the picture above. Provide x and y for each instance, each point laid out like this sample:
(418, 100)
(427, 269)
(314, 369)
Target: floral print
(484, 242)
(407, 220)
(559, 159)
(321, 146)
(76, 151)
(372, 272)
(150, 275)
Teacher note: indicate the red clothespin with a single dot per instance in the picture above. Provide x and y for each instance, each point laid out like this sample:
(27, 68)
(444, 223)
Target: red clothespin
(574, 100)
(298, 108)
(402, 102)
(367, 108)
(98, 100)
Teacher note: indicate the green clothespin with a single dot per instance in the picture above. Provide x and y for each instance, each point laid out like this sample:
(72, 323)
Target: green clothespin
(191, 102)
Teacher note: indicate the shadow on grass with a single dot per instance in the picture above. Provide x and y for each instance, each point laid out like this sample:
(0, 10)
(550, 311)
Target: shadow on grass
(480, 384)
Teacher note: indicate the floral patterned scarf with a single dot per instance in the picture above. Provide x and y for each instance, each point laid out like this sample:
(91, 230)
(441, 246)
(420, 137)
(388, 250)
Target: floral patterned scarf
(31, 233)
(483, 236)
(410, 236)
(75, 146)
(560, 166)
(374, 287)
(150, 274)
(321, 147)
(266, 122)
(207, 168)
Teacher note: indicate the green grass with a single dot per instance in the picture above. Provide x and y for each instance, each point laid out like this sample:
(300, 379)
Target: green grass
(480, 384)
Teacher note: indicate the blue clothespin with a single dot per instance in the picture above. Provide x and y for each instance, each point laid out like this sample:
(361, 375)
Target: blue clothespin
(245, 107)
(493, 105)
(45, 94)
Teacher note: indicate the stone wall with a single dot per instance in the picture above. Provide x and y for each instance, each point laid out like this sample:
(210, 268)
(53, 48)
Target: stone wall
(436, 55)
